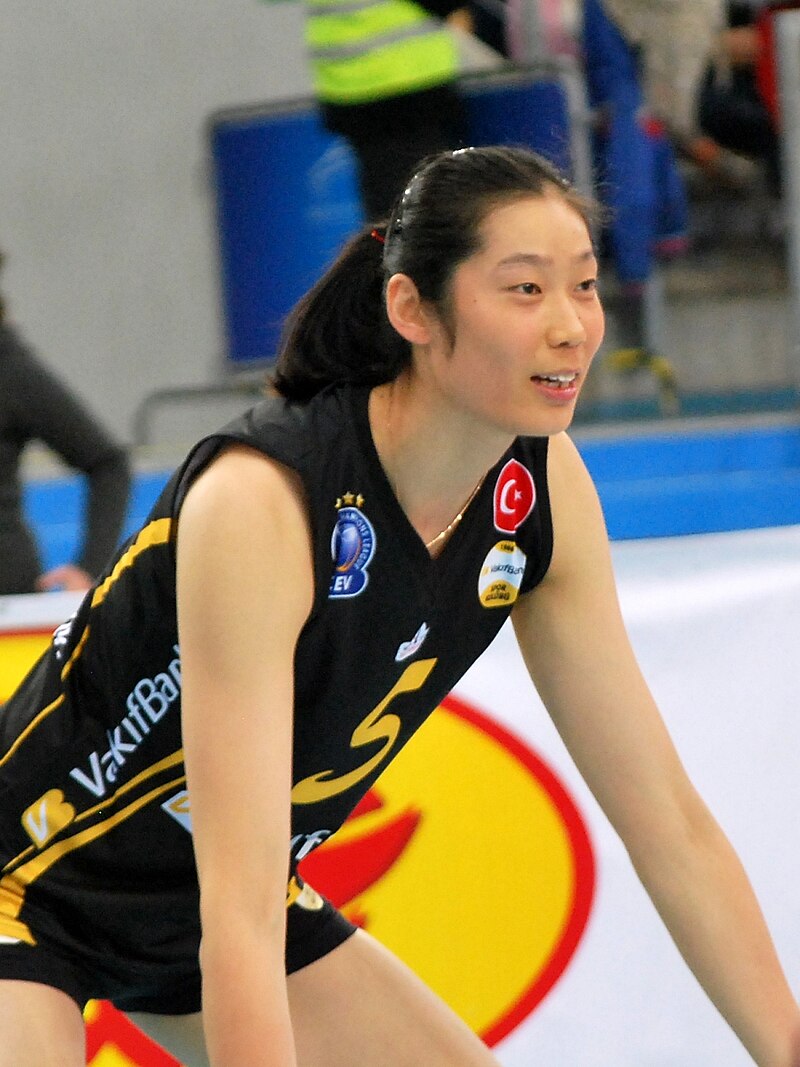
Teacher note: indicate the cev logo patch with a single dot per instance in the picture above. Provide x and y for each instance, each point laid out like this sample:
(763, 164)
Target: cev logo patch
(469, 860)
(352, 548)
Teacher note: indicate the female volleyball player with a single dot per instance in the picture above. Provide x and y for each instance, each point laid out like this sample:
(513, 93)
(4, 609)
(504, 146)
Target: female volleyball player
(307, 589)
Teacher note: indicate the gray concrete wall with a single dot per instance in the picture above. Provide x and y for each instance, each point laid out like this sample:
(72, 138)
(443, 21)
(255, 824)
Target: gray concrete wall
(106, 214)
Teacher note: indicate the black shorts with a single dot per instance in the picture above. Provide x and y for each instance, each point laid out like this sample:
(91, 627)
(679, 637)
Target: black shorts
(311, 932)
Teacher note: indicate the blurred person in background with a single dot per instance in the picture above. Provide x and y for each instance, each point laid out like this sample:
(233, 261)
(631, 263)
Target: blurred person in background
(36, 406)
(385, 78)
(736, 108)
(643, 63)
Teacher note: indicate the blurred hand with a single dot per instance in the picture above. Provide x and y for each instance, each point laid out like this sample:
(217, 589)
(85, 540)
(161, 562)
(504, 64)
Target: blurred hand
(68, 577)
(742, 45)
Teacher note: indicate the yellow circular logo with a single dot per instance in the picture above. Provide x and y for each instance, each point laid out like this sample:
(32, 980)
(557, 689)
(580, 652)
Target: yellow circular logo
(471, 861)
(501, 575)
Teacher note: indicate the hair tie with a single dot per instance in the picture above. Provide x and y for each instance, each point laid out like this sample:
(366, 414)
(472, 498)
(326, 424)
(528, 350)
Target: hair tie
(378, 236)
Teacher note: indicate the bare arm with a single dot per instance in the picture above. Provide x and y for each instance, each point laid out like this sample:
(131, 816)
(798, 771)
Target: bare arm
(574, 643)
(245, 588)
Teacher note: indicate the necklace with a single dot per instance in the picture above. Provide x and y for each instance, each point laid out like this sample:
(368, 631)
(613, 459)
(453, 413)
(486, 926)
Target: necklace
(452, 525)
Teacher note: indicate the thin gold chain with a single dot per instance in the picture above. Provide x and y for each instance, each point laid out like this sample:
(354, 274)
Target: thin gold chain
(452, 525)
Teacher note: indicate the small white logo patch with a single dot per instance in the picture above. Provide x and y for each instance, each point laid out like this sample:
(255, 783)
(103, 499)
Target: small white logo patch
(408, 648)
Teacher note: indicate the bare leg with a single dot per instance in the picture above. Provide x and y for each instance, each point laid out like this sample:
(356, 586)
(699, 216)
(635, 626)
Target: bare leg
(357, 1005)
(40, 1027)
(361, 1005)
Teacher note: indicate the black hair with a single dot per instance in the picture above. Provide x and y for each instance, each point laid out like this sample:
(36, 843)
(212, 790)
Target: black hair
(339, 331)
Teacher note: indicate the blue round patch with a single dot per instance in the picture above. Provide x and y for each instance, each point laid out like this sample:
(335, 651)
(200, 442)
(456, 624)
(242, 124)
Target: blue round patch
(352, 547)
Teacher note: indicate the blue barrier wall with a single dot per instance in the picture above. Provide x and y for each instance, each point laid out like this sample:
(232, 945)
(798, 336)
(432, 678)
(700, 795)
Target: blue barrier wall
(655, 485)
(664, 485)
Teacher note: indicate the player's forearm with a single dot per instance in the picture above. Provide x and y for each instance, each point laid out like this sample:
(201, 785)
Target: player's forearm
(245, 1006)
(703, 895)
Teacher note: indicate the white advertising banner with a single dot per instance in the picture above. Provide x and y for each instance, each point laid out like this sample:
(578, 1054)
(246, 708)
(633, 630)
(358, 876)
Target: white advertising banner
(715, 621)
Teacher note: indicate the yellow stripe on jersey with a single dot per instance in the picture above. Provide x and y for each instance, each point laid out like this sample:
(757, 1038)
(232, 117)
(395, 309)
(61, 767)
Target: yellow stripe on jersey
(155, 533)
(30, 728)
(13, 886)
(75, 653)
(173, 760)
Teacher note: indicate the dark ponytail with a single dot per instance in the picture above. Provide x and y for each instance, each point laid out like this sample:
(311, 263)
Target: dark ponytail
(339, 331)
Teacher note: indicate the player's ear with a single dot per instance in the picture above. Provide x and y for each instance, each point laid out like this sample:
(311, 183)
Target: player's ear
(406, 311)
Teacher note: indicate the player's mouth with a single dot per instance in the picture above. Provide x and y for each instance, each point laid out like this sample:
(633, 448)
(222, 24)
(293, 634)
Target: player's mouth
(557, 381)
(558, 388)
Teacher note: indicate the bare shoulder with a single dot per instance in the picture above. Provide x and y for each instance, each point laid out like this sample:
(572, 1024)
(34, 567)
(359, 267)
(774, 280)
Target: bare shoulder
(579, 530)
(567, 476)
(244, 478)
(244, 530)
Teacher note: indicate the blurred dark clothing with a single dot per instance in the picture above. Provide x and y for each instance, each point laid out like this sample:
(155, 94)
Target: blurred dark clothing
(737, 104)
(390, 137)
(36, 406)
(733, 113)
(391, 129)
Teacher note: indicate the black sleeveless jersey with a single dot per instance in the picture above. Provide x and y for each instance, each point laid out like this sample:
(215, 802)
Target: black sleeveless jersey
(94, 811)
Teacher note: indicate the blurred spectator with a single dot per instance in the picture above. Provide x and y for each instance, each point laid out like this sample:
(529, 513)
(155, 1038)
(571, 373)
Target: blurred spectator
(637, 172)
(733, 110)
(541, 28)
(673, 40)
(35, 405)
(489, 23)
(385, 76)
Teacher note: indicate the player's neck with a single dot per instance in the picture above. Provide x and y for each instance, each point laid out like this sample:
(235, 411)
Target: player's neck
(432, 469)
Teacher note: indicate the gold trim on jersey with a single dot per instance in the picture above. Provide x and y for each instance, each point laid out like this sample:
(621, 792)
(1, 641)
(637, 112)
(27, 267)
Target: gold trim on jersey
(155, 533)
(30, 728)
(13, 886)
(51, 706)
(35, 860)
(165, 764)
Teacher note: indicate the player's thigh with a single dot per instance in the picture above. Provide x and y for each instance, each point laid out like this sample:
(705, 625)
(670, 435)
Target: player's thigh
(360, 1005)
(180, 1035)
(39, 1026)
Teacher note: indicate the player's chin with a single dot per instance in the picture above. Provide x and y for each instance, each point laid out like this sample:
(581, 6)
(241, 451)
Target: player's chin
(550, 416)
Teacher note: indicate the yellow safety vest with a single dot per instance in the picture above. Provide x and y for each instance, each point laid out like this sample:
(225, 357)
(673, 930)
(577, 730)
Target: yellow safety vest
(366, 50)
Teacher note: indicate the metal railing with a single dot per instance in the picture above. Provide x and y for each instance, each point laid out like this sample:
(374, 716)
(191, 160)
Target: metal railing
(787, 38)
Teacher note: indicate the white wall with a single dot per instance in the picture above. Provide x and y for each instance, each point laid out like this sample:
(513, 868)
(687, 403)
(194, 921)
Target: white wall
(106, 213)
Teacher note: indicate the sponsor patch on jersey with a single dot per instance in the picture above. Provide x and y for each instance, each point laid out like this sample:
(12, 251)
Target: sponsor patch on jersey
(407, 649)
(514, 497)
(47, 816)
(352, 548)
(501, 575)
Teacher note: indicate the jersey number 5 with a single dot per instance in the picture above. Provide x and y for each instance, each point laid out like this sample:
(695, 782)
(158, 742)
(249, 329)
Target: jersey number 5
(375, 727)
